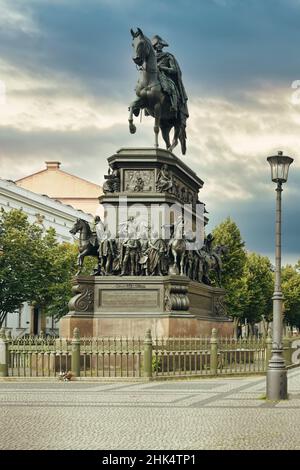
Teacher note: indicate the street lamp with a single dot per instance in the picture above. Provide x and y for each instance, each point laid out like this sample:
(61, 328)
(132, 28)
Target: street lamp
(276, 373)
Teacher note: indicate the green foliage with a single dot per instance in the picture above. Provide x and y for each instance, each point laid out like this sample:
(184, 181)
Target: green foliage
(247, 278)
(156, 364)
(34, 267)
(259, 284)
(20, 261)
(228, 233)
(291, 292)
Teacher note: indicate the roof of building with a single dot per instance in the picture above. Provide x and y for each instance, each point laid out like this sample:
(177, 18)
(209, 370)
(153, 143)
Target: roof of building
(54, 181)
(9, 187)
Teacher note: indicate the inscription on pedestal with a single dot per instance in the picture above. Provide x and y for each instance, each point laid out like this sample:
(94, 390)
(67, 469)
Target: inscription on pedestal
(129, 300)
(129, 286)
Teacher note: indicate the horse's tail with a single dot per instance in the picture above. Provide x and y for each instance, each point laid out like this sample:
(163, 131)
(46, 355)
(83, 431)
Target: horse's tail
(182, 138)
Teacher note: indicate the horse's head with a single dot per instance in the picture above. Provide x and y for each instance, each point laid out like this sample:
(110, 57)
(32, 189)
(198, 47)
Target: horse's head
(141, 47)
(77, 227)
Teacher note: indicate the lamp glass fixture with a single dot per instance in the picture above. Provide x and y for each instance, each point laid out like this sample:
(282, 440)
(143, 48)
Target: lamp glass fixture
(280, 167)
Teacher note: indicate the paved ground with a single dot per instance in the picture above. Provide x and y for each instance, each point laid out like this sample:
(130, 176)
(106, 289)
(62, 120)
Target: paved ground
(198, 414)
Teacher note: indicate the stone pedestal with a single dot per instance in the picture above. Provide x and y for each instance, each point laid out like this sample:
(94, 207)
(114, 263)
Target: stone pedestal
(129, 305)
(145, 184)
(136, 192)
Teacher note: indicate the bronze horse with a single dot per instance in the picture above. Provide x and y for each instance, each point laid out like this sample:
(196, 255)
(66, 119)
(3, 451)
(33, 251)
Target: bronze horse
(177, 246)
(213, 262)
(151, 97)
(88, 243)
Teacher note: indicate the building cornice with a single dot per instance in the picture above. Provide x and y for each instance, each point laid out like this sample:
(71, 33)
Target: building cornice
(40, 202)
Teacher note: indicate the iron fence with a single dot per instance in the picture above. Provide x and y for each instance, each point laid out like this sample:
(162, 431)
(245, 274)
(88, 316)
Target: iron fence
(38, 356)
(135, 357)
(181, 356)
(111, 357)
(204, 356)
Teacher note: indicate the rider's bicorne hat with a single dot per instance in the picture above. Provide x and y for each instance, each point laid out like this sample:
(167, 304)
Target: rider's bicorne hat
(158, 40)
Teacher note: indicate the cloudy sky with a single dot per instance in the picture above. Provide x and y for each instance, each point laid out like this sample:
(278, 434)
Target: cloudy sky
(67, 70)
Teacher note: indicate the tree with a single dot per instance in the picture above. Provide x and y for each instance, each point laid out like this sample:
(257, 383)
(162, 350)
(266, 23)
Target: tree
(291, 292)
(227, 233)
(247, 277)
(34, 267)
(19, 260)
(259, 284)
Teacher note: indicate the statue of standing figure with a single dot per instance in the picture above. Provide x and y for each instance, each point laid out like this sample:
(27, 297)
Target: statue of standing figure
(157, 251)
(106, 253)
(144, 254)
(130, 260)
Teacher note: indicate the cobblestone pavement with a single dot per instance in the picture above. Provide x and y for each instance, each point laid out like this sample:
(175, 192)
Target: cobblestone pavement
(196, 414)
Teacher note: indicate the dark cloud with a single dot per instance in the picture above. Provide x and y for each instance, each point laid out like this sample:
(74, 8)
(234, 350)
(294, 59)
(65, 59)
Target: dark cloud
(82, 152)
(222, 46)
(226, 48)
(256, 220)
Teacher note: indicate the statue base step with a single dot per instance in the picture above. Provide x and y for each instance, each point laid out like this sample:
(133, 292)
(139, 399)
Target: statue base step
(128, 306)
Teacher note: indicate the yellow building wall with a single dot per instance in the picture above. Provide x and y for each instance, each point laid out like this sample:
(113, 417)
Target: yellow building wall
(69, 189)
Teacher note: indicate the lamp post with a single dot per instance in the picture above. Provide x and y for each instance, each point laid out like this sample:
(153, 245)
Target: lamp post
(276, 373)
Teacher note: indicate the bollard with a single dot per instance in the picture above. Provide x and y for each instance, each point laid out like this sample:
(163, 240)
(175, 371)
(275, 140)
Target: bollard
(3, 354)
(75, 365)
(148, 354)
(269, 343)
(214, 352)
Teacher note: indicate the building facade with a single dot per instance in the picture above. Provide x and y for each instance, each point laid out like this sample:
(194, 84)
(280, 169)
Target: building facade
(46, 212)
(60, 185)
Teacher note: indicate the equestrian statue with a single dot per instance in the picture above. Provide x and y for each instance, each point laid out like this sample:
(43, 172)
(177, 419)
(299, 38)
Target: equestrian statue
(160, 91)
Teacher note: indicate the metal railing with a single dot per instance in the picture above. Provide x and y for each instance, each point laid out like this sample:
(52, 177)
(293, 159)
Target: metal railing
(38, 357)
(111, 357)
(135, 357)
(181, 356)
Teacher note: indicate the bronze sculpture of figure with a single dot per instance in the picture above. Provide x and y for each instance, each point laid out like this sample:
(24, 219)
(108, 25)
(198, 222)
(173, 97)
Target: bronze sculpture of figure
(106, 253)
(112, 183)
(164, 181)
(177, 247)
(159, 90)
(157, 250)
(170, 78)
(144, 254)
(133, 253)
(129, 263)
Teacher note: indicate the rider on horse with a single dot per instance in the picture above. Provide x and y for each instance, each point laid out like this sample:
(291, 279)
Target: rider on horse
(169, 75)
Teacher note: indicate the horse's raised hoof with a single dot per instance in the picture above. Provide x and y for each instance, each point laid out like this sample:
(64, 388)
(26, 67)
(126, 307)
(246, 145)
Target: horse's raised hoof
(132, 128)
